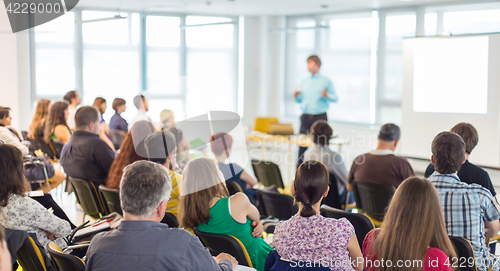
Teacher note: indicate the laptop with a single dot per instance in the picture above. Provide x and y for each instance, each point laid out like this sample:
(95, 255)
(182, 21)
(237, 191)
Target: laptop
(280, 129)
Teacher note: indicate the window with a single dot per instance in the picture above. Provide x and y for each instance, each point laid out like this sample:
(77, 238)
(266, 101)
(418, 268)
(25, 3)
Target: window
(470, 22)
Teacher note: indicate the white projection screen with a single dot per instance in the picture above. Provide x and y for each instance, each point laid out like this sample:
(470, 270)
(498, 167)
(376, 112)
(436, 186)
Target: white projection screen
(447, 80)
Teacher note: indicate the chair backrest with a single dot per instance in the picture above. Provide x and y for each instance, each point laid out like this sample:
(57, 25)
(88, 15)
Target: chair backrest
(88, 197)
(25, 135)
(373, 198)
(262, 124)
(362, 224)
(117, 137)
(233, 187)
(268, 173)
(274, 262)
(333, 198)
(111, 198)
(277, 205)
(464, 250)
(171, 220)
(40, 144)
(65, 262)
(30, 256)
(225, 243)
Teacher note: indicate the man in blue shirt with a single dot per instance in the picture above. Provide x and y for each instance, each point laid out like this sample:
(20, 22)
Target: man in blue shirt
(315, 94)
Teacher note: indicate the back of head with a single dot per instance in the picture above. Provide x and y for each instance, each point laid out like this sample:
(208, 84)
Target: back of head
(167, 118)
(97, 103)
(316, 59)
(12, 179)
(117, 102)
(469, 135)
(70, 95)
(41, 113)
(139, 101)
(201, 182)
(389, 132)
(159, 146)
(57, 116)
(4, 112)
(415, 198)
(311, 183)
(84, 116)
(321, 132)
(220, 143)
(143, 187)
(448, 150)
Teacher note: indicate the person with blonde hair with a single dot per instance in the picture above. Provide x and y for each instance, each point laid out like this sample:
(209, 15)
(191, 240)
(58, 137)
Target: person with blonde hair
(167, 122)
(413, 229)
(37, 125)
(205, 205)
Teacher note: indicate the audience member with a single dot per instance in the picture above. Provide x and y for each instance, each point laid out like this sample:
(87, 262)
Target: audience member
(221, 144)
(381, 165)
(468, 172)
(56, 126)
(167, 122)
(85, 156)
(8, 135)
(140, 242)
(19, 212)
(206, 205)
(127, 154)
(73, 100)
(470, 211)
(5, 257)
(141, 103)
(160, 147)
(37, 126)
(400, 239)
(100, 104)
(321, 134)
(117, 122)
(310, 237)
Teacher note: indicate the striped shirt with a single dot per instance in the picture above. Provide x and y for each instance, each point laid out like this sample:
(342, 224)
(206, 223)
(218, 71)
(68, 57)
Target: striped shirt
(465, 208)
(173, 202)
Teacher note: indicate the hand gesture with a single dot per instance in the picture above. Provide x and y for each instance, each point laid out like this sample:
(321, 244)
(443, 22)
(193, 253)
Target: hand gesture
(296, 93)
(324, 93)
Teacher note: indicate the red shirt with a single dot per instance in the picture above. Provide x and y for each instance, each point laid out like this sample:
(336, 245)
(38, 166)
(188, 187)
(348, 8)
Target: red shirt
(435, 259)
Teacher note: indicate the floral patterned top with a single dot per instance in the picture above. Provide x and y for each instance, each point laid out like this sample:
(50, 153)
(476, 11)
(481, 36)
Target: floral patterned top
(315, 239)
(26, 214)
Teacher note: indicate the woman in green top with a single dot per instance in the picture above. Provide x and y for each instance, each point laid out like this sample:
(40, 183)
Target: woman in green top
(56, 126)
(206, 205)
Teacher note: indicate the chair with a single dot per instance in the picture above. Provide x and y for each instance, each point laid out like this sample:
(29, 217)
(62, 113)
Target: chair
(277, 205)
(65, 262)
(30, 256)
(117, 137)
(52, 149)
(373, 199)
(268, 173)
(111, 198)
(225, 243)
(333, 198)
(262, 124)
(233, 187)
(274, 262)
(88, 197)
(464, 250)
(171, 220)
(362, 224)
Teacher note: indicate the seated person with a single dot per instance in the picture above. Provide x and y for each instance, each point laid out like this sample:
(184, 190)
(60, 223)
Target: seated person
(73, 99)
(5, 258)
(100, 104)
(470, 210)
(310, 237)
(160, 148)
(206, 205)
(140, 242)
(468, 172)
(19, 212)
(10, 136)
(85, 156)
(430, 242)
(117, 122)
(381, 165)
(127, 154)
(141, 103)
(321, 134)
(37, 126)
(221, 144)
(167, 122)
(56, 126)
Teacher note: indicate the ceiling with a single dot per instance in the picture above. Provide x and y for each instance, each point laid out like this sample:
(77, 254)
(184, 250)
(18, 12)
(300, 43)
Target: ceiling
(253, 7)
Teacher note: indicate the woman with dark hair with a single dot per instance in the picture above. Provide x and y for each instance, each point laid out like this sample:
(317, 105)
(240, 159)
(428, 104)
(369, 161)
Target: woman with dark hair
(310, 237)
(206, 205)
(19, 212)
(117, 122)
(56, 126)
(127, 154)
(402, 238)
(37, 125)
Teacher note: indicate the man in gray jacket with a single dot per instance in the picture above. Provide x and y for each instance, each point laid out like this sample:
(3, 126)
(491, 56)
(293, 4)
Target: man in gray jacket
(142, 243)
